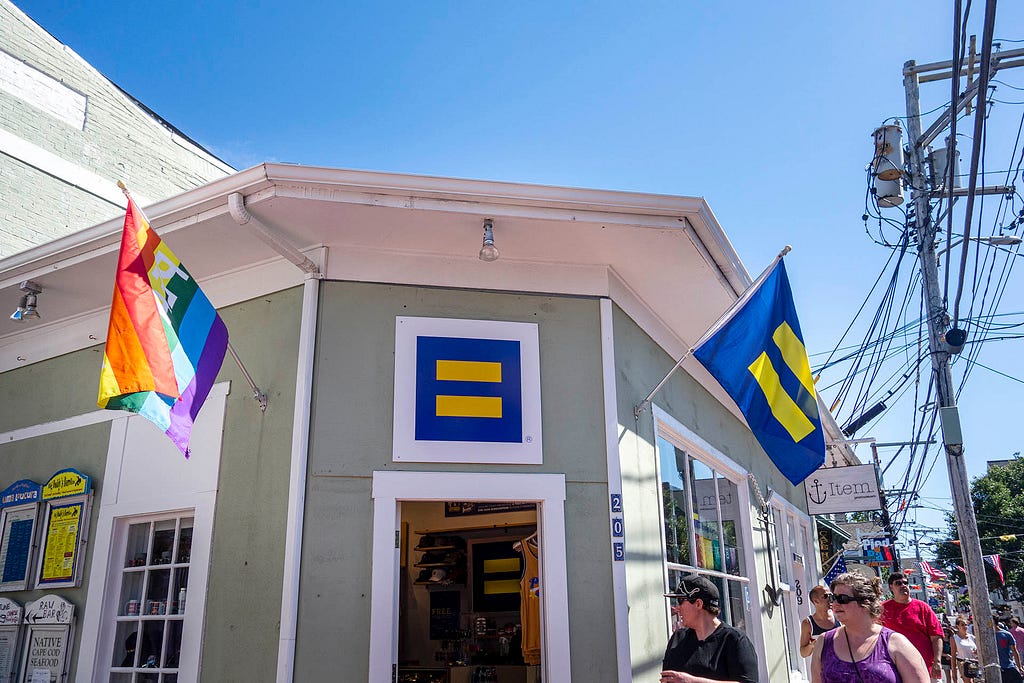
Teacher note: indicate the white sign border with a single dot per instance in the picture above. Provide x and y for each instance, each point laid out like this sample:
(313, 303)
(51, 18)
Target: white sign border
(405, 446)
(843, 475)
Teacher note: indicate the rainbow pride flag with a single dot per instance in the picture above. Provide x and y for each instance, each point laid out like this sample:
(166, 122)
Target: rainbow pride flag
(165, 341)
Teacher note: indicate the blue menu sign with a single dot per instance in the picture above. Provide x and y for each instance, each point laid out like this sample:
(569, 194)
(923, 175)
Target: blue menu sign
(19, 507)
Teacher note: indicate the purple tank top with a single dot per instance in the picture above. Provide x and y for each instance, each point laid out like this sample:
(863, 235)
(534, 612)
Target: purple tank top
(877, 667)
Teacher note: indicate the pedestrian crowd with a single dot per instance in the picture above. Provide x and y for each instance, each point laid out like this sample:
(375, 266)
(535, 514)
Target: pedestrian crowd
(853, 635)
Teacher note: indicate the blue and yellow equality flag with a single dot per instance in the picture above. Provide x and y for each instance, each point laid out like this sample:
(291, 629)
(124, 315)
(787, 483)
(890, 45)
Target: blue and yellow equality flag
(758, 357)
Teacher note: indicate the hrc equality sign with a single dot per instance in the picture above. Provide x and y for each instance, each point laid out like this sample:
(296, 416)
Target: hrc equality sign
(466, 391)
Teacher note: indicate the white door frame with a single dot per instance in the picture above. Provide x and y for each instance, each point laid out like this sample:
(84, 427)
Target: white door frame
(547, 490)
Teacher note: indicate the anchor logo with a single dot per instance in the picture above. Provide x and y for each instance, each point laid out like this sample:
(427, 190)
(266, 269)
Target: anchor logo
(817, 497)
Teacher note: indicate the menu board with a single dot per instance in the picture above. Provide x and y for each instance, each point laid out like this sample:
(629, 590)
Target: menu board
(61, 550)
(8, 650)
(19, 526)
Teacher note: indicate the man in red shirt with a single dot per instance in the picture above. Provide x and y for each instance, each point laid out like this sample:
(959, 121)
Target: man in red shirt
(916, 620)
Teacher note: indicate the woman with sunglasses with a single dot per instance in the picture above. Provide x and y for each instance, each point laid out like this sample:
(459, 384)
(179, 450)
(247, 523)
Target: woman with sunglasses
(965, 649)
(861, 650)
(820, 620)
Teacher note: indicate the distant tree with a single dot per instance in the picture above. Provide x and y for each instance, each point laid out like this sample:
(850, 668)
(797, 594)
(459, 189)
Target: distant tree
(998, 498)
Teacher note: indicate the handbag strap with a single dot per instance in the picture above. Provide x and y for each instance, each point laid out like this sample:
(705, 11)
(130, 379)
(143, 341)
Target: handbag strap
(853, 658)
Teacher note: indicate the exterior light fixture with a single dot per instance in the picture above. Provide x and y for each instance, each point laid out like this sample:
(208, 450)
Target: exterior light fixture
(27, 305)
(489, 252)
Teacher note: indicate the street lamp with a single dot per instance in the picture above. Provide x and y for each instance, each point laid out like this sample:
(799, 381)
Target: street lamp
(994, 240)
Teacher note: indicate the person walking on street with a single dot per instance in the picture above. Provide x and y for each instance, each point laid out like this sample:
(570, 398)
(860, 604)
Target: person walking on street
(819, 621)
(705, 649)
(915, 620)
(862, 650)
(965, 649)
(1018, 633)
(1009, 657)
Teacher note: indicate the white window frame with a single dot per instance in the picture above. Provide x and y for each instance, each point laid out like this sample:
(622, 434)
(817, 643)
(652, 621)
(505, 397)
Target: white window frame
(669, 428)
(547, 490)
(137, 455)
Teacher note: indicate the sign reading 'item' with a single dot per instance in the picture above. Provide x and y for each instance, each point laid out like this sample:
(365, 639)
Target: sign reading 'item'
(842, 489)
(467, 391)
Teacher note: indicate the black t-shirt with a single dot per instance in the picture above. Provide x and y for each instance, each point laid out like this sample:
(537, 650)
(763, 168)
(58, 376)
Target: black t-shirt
(726, 655)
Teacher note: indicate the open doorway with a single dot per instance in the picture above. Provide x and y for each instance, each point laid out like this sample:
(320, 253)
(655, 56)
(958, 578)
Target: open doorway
(463, 565)
(469, 592)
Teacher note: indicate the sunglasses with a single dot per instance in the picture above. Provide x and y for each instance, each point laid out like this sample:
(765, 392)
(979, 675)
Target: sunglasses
(842, 599)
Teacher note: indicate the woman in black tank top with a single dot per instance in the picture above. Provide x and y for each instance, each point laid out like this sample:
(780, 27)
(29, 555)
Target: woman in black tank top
(811, 627)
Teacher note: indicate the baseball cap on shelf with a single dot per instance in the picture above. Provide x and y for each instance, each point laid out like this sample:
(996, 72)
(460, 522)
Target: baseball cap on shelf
(438, 575)
(694, 586)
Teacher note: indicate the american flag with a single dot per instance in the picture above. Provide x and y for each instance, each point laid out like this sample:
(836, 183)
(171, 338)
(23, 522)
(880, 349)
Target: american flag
(996, 564)
(932, 572)
(838, 568)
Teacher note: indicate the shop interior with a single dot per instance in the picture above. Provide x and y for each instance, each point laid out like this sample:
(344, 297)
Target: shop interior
(469, 607)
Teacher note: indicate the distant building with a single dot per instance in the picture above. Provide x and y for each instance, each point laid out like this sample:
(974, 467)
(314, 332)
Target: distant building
(992, 464)
(67, 135)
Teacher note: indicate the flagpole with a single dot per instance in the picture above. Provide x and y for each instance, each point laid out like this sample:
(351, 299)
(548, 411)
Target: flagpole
(714, 328)
(257, 393)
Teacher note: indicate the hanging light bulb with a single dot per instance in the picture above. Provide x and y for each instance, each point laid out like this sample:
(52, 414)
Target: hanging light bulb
(489, 252)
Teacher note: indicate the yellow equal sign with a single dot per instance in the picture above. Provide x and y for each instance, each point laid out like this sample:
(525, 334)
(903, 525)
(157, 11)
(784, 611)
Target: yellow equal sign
(468, 371)
(467, 406)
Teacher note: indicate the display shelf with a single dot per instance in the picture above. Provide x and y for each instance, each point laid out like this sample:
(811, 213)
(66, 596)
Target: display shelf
(424, 549)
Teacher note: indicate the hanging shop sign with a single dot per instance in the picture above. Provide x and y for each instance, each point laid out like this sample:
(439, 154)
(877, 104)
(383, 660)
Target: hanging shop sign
(10, 629)
(19, 512)
(467, 391)
(49, 622)
(842, 489)
(67, 497)
(460, 508)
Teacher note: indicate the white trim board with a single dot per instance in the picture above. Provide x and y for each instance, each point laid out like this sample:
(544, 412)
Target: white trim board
(548, 490)
(704, 451)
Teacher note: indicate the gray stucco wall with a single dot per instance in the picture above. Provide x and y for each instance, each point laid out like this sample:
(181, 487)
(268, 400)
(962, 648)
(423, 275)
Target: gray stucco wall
(640, 365)
(351, 437)
(244, 592)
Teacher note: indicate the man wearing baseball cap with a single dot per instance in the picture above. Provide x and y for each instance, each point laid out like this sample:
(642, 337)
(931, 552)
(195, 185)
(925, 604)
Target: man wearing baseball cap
(705, 649)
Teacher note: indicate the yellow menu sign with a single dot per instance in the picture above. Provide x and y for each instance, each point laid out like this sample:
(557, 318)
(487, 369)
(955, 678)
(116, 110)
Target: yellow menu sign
(69, 482)
(61, 543)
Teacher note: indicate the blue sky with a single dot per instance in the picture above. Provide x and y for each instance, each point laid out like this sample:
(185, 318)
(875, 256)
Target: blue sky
(764, 109)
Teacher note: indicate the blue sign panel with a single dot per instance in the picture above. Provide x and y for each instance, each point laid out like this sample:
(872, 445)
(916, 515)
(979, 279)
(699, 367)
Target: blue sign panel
(468, 390)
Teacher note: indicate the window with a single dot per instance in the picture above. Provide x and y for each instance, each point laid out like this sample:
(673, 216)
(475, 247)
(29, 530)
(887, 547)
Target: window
(153, 595)
(701, 508)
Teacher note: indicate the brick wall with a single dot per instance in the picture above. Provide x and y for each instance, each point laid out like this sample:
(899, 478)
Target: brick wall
(41, 89)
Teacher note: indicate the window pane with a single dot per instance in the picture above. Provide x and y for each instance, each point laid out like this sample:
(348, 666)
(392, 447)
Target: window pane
(780, 553)
(179, 591)
(163, 541)
(184, 553)
(737, 599)
(673, 491)
(138, 544)
(121, 678)
(706, 528)
(125, 642)
(152, 644)
(131, 594)
(729, 509)
(156, 592)
(173, 644)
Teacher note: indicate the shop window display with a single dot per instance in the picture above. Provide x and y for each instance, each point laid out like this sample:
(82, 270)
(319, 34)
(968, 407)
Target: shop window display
(464, 617)
(153, 596)
(701, 508)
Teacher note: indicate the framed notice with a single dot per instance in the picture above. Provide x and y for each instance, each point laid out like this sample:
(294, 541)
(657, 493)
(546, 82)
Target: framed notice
(67, 498)
(48, 635)
(19, 511)
(10, 630)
